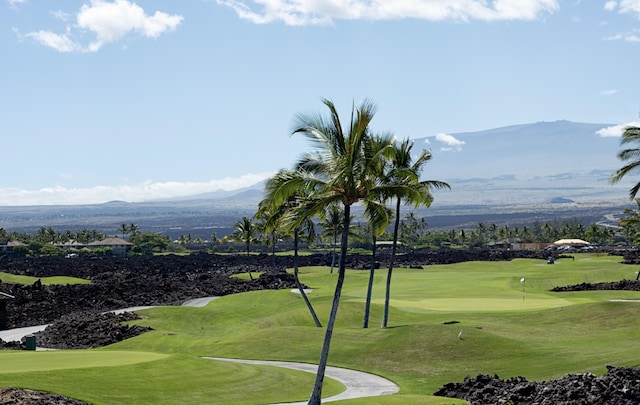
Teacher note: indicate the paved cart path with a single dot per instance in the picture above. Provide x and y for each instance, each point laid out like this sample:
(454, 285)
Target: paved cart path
(357, 383)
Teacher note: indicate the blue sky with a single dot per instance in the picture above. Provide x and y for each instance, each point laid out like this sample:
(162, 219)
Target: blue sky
(144, 99)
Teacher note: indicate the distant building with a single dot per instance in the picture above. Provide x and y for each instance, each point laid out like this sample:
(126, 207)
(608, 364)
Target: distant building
(8, 247)
(120, 246)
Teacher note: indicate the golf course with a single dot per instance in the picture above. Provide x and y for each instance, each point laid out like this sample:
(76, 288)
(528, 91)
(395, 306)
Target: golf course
(446, 322)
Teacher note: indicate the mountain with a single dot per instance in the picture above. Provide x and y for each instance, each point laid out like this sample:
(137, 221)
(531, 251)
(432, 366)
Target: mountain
(511, 175)
(525, 164)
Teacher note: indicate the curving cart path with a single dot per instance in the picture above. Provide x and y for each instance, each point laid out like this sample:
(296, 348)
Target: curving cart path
(358, 384)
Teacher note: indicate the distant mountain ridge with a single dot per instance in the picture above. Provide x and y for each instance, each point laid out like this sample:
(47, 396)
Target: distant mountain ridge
(516, 164)
(526, 163)
(514, 174)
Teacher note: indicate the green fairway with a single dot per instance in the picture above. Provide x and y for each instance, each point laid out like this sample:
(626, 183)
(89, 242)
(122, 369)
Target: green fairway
(18, 362)
(446, 322)
(12, 278)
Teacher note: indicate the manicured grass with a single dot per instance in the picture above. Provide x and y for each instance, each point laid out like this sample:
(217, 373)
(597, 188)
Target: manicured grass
(16, 279)
(508, 328)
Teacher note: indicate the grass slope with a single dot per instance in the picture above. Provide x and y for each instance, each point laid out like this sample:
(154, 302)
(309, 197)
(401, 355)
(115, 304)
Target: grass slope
(16, 279)
(508, 328)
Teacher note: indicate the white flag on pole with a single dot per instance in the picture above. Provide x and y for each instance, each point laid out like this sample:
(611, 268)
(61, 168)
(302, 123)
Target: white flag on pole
(522, 280)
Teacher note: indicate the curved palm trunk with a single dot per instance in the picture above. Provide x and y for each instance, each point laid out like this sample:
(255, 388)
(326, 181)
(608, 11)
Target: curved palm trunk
(297, 280)
(367, 305)
(333, 256)
(248, 269)
(316, 395)
(273, 260)
(387, 295)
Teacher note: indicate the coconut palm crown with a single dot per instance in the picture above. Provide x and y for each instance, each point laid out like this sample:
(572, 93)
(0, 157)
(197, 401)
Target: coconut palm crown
(631, 135)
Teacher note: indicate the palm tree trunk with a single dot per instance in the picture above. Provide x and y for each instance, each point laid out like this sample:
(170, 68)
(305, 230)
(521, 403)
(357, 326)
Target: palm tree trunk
(248, 269)
(297, 280)
(333, 256)
(367, 305)
(273, 261)
(387, 295)
(316, 395)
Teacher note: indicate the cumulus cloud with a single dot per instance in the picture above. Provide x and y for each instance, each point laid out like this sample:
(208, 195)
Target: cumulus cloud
(318, 12)
(616, 130)
(451, 142)
(109, 22)
(145, 191)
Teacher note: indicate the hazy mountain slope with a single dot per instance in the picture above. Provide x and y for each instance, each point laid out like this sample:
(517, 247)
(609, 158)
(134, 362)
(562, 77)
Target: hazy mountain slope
(526, 163)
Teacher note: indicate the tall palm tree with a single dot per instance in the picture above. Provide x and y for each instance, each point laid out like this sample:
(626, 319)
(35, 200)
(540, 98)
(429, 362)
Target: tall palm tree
(245, 230)
(331, 223)
(377, 214)
(269, 226)
(280, 203)
(335, 172)
(631, 135)
(378, 218)
(406, 172)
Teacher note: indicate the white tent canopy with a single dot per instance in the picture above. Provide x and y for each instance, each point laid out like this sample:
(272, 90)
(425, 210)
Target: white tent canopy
(571, 242)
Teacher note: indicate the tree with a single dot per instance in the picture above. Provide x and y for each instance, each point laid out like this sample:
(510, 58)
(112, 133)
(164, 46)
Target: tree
(631, 135)
(335, 172)
(124, 228)
(245, 231)
(405, 175)
(281, 207)
(270, 226)
(148, 242)
(378, 218)
(331, 223)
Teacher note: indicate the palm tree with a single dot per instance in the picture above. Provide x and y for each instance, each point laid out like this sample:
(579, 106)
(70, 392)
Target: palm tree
(280, 206)
(377, 214)
(631, 135)
(270, 227)
(245, 230)
(124, 228)
(405, 172)
(378, 218)
(336, 172)
(331, 223)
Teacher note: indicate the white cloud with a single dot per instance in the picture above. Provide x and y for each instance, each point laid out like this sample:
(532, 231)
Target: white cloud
(451, 141)
(616, 130)
(318, 12)
(609, 92)
(61, 43)
(628, 37)
(610, 5)
(110, 22)
(132, 193)
(14, 3)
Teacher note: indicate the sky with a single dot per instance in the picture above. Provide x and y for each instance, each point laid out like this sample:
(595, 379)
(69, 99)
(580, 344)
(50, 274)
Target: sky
(139, 100)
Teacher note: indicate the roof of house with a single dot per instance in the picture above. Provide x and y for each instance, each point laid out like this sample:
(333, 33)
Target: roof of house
(14, 243)
(111, 242)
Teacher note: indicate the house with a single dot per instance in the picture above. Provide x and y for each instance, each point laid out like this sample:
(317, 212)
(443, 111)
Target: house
(8, 247)
(119, 246)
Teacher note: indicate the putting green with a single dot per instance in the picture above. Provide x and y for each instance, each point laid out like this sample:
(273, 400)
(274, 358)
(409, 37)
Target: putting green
(477, 304)
(26, 361)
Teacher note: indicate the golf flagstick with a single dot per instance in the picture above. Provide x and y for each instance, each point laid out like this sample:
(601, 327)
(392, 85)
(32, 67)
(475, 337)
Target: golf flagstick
(523, 287)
